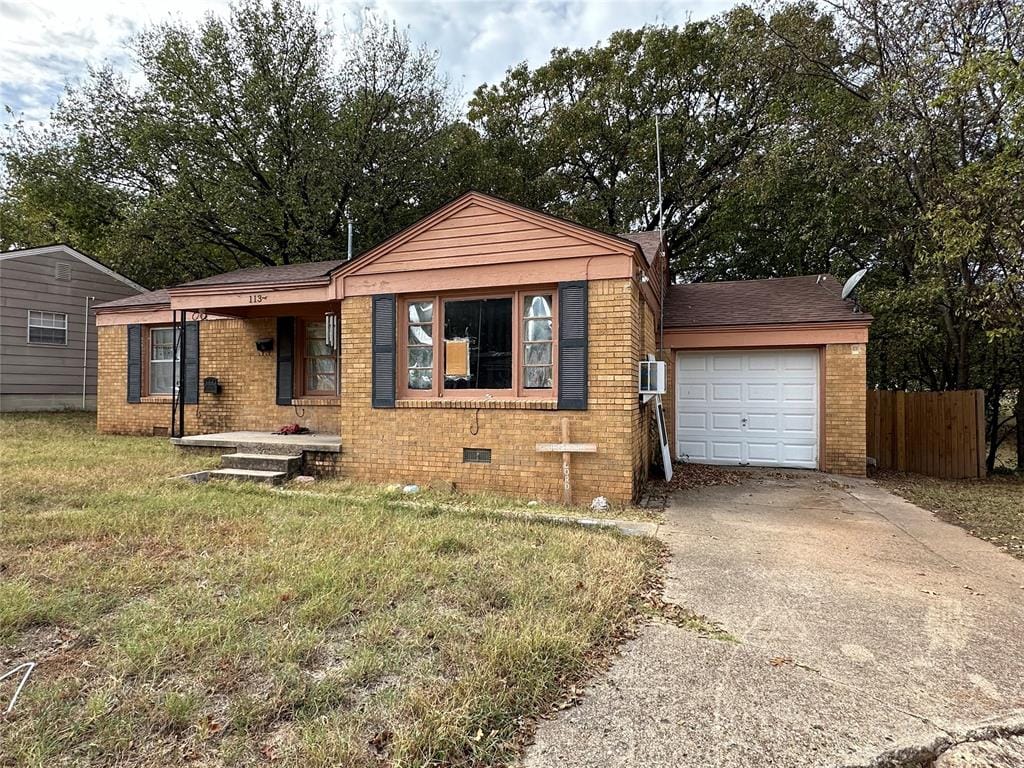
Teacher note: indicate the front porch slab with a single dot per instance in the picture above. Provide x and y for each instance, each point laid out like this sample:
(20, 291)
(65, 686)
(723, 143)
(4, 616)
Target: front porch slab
(262, 442)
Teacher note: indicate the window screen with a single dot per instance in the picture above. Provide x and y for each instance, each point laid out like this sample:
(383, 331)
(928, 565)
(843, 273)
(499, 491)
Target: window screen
(487, 323)
(47, 327)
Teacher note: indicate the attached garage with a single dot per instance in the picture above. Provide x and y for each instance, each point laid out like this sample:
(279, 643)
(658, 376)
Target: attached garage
(767, 373)
(758, 407)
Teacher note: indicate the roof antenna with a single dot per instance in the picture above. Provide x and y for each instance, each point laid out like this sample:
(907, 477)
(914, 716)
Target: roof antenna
(661, 231)
(657, 150)
(348, 216)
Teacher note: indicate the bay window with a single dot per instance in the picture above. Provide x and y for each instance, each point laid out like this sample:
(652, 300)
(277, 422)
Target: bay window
(501, 345)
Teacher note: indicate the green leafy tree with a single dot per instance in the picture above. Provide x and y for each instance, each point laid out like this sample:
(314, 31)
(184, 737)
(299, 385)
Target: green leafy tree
(576, 136)
(246, 143)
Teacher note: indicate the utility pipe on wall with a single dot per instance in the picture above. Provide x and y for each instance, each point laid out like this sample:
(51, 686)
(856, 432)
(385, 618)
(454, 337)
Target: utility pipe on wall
(85, 351)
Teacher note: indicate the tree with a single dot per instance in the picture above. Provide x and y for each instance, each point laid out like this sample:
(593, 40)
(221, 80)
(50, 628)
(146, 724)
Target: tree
(576, 136)
(942, 85)
(246, 143)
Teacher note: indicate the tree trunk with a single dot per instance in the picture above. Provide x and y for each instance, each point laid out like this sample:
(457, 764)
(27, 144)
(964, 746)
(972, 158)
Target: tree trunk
(1018, 413)
(992, 398)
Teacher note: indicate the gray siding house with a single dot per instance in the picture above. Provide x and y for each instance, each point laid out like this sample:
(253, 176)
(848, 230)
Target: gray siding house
(47, 326)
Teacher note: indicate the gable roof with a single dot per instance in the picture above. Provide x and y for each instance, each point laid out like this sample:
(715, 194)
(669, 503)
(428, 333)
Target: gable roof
(66, 250)
(781, 300)
(612, 242)
(280, 275)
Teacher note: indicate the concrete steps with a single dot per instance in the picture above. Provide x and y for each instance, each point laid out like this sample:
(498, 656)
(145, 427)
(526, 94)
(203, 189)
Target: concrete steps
(268, 462)
(249, 475)
(270, 468)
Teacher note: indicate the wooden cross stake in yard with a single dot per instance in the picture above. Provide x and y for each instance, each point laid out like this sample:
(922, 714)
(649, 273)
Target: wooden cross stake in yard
(567, 449)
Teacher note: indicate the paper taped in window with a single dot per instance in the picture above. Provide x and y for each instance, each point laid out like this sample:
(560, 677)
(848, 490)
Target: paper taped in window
(456, 358)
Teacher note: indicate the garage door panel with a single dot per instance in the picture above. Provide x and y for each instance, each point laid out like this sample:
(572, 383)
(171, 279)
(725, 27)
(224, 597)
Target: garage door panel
(697, 393)
(726, 422)
(693, 450)
(692, 363)
(793, 454)
(799, 393)
(724, 450)
(693, 421)
(763, 393)
(756, 407)
(763, 363)
(727, 362)
(799, 362)
(726, 393)
(763, 422)
(799, 423)
(763, 452)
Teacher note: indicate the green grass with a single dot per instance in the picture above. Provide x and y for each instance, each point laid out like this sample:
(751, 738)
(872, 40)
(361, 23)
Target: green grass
(991, 509)
(236, 625)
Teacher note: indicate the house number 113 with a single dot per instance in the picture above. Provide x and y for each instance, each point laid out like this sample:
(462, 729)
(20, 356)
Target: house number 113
(257, 298)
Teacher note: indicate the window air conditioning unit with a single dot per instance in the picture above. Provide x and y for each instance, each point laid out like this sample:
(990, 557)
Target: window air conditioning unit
(653, 377)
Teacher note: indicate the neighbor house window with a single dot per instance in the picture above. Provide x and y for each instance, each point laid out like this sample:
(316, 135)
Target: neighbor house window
(319, 360)
(465, 346)
(47, 328)
(163, 373)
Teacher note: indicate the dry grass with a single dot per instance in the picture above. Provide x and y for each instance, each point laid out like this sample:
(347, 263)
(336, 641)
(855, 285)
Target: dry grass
(991, 509)
(221, 625)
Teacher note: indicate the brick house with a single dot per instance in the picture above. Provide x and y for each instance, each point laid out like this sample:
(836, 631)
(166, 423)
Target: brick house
(446, 354)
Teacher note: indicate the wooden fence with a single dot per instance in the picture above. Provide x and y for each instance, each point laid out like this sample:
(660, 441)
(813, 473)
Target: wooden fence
(941, 434)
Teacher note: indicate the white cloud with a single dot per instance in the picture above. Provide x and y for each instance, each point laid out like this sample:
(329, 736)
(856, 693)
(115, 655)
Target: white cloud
(45, 44)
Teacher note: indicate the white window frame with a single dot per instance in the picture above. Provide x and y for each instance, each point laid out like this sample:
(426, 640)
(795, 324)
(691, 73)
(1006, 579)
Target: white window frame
(30, 325)
(175, 366)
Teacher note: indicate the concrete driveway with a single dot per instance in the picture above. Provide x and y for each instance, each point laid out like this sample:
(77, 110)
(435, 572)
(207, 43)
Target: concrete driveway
(864, 624)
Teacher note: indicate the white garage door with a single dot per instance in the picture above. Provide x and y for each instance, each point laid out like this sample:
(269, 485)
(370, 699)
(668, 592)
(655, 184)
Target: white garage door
(758, 408)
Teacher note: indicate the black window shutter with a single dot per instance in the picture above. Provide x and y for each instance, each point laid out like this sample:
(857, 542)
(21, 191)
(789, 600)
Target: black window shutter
(190, 381)
(572, 345)
(285, 359)
(134, 363)
(384, 340)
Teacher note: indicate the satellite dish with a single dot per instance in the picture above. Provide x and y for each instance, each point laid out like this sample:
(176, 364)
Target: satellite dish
(851, 285)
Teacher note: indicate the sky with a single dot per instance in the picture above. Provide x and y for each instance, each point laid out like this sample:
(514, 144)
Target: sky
(44, 45)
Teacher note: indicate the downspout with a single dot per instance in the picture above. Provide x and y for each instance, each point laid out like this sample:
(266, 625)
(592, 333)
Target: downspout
(85, 351)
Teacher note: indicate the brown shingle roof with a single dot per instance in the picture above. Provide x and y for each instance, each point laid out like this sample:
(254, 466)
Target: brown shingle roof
(756, 302)
(289, 273)
(147, 299)
(649, 243)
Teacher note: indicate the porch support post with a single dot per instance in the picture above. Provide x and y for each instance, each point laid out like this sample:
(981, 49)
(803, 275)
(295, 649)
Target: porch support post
(181, 376)
(174, 375)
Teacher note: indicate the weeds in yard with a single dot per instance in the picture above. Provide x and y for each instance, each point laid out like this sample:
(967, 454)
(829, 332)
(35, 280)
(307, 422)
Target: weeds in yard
(235, 625)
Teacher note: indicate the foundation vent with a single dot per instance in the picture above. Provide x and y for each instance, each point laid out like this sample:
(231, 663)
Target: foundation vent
(476, 455)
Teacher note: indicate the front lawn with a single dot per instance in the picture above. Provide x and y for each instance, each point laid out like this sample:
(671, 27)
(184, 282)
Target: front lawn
(992, 509)
(233, 625)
